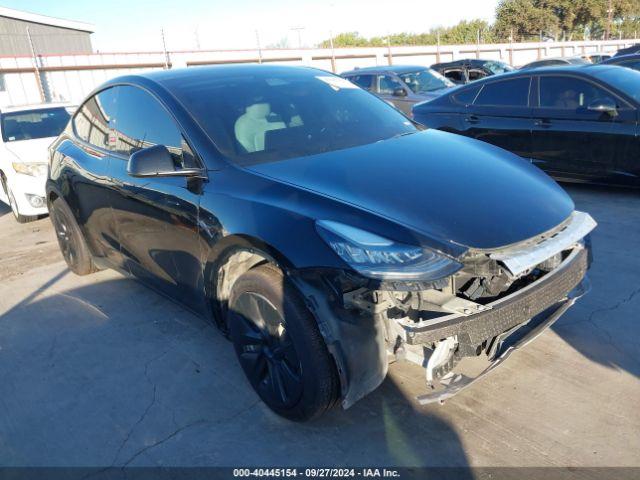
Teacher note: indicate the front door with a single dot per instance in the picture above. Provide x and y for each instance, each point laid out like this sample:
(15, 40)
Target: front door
(572, 140)
(157, 217)
(392, 90)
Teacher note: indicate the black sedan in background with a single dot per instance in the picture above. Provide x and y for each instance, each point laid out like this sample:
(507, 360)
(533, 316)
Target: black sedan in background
(629, 61)
(317, 226)
(470, 69)
(576, 123)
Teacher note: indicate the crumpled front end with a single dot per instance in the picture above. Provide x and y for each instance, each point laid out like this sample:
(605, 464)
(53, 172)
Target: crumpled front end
(458, 328)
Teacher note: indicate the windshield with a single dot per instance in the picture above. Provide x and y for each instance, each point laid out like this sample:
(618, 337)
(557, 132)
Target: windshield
(259, 117)
(624, 79)
(31, 124)
(426, 80)
(498, 67)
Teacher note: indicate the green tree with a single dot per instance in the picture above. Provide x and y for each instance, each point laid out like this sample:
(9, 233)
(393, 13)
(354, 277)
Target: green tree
(525, 19)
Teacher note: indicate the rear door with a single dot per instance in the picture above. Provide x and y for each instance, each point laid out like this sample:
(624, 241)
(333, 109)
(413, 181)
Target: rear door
(569, 140)
(157, 217)
(500, 115)
(88, 190)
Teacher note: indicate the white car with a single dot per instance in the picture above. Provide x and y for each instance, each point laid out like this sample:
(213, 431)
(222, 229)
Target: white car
(25, 135)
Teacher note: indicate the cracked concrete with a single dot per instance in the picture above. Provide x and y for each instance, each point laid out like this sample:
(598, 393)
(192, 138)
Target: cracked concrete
(100, 371)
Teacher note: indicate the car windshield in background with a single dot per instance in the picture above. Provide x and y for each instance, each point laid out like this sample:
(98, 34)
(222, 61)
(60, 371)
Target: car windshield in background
(259, 117)
(498, 67)
(424, 81)
(31, 124)
(624, 79)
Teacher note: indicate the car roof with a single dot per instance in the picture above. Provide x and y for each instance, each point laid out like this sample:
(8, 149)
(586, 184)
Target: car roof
(386, 69)
(587, 70)
(622, 58)
(464, 61)
(34, 106)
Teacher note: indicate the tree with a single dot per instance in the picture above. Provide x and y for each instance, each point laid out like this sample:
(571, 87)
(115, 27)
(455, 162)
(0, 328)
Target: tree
(525, 19)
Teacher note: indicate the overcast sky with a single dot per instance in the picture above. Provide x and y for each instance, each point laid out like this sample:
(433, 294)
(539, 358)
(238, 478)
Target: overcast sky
(135, 25)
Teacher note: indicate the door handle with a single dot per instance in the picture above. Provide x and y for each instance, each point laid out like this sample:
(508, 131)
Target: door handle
(542, 122)
(472, 119)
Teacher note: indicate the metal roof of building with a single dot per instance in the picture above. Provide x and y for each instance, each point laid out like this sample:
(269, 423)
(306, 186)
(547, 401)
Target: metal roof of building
(45, 20)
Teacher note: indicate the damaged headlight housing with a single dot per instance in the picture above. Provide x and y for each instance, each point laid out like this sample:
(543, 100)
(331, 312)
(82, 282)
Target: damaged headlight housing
(30, 168)
(377, 257)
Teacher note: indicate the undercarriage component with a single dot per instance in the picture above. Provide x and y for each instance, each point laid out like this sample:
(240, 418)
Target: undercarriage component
(441, 359)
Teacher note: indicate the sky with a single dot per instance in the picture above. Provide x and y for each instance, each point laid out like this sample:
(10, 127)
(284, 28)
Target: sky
(135, 25)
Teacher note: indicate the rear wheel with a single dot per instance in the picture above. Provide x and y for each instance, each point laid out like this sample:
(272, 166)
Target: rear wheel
(72, 243)
(279, 346)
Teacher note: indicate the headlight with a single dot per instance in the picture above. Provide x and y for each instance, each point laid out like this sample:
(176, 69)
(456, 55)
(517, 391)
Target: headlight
(33, 169)
(377, 257)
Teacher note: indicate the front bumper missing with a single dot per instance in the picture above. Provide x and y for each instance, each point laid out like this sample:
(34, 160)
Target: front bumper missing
(453, 383)
(511, 323)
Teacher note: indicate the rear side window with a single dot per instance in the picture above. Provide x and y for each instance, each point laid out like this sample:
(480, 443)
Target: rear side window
(467, 95)
(92, 122)
(363, 81)
(508, 93)
(635, 64)
(456, 75)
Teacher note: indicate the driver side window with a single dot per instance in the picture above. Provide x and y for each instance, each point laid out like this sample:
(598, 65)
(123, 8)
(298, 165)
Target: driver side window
(388, 84)
(570, 93)
(142, 122)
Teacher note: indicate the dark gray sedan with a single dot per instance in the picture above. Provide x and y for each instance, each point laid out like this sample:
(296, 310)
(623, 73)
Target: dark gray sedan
(401, 85)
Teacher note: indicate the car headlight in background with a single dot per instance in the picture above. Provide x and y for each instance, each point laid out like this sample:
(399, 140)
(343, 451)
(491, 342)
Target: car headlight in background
(380, 258)
(32, 168)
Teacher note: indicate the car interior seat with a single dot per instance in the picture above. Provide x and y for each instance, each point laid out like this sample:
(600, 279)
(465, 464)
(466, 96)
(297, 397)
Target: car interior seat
(250, 128)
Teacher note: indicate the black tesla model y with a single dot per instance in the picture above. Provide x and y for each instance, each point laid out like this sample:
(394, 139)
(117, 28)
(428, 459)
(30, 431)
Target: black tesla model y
(319, 228)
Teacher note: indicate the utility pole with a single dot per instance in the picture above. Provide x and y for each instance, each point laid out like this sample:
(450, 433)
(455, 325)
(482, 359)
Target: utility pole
(609, 20)
(298, 30)
(259, 47)
(167, 61)
(438, 46)
(36, 67)
(389, 57)
(333, 52)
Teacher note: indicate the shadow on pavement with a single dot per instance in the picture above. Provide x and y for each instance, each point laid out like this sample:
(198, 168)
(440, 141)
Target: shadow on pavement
(112, 374)
(603, 325)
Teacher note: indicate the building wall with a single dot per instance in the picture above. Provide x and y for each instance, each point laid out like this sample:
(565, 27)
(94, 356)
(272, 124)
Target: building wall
(47, 40)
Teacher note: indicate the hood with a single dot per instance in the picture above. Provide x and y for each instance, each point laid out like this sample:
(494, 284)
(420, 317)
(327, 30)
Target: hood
(450, 188)
(34, 150)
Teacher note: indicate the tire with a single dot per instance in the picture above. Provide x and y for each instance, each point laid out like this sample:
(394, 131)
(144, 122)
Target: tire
(279, 345)
(72, 243)
(14, 206)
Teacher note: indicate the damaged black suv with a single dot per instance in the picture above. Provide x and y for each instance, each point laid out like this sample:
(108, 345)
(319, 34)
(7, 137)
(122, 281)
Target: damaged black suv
(321, 230)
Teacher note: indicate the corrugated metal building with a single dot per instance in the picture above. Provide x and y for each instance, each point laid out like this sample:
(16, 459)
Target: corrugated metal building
(50, 36)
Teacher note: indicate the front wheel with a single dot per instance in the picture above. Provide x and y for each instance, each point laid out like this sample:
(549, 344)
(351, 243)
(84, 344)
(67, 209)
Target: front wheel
(279, 345)
(14, 208)
(72, 243)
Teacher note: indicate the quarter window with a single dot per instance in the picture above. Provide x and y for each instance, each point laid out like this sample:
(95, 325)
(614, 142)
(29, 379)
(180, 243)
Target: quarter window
(93, 121)
(569, 93)
(467, 96)
(511, 93)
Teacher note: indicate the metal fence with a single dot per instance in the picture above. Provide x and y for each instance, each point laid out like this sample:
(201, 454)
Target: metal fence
(69, 78)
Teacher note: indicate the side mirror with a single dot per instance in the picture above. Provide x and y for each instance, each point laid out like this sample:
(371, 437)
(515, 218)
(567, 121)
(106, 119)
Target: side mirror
(156, 161)
(604, 105)
(399, 92)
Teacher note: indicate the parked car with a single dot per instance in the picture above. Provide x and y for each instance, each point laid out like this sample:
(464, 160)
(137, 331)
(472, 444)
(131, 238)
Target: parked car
(629, 61)
(401, 85)
(26, 133)
(596, 57)
(628, 51)
(576, 123)
(468, 70)
(316, 225)
(559, 61)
